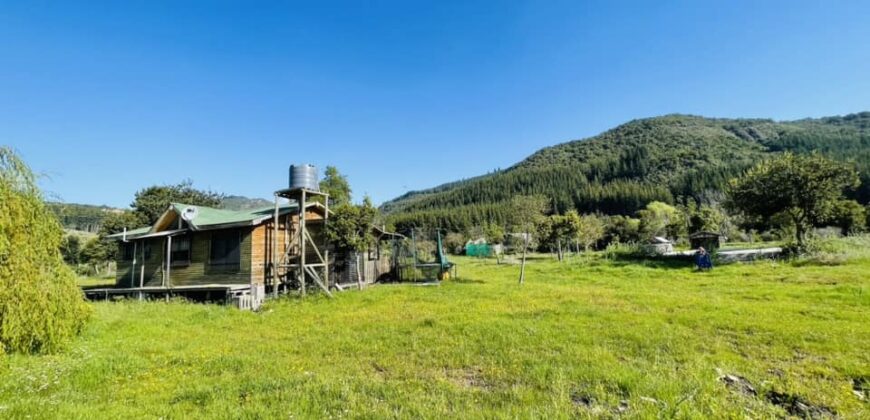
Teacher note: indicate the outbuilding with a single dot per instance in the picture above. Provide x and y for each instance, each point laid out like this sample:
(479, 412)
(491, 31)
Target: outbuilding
(709, 240)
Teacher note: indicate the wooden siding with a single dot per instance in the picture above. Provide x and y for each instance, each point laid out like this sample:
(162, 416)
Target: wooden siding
(255, 252)
(261, 252)
(198, 272)
(129, 276)
(201, 272)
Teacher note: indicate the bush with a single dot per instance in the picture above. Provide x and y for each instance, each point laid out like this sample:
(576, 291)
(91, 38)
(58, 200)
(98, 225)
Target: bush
(616, 251)
(829, 251)
(41, 307)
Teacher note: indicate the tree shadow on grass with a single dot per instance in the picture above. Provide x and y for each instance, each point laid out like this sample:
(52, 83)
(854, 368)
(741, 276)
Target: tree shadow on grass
(670, 263)
(462, 280)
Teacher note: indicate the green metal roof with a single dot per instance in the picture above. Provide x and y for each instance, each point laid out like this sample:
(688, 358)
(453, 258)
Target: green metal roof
(131, 232)
(208, 216)
(212, 218)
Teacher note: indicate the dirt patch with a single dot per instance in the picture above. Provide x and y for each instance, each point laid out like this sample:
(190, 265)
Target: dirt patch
(797, 406)
(582, 400)
(588, 403)
(381, 371)
(471, 377)
(738, 384)
(861, 387)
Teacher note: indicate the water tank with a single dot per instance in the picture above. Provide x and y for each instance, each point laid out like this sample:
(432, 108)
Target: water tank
(304, 176)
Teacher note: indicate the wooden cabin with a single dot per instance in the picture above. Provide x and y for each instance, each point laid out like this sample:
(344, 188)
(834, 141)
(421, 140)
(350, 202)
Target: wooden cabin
(208, 253)
(209, 250)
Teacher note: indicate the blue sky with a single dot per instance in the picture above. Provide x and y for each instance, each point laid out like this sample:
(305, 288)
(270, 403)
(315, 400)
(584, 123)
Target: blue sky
(105, 98)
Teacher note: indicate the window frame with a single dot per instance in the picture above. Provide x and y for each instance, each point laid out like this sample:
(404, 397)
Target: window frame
(222, 264)
(180, 262)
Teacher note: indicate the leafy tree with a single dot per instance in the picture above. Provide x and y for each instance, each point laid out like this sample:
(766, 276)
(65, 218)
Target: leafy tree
(547, 234)
(41, 307)
(526, 212)
(709, 219)
(453, 242)
(803, 188)
(849, 216)
(560, 231)
(590, 230)
(102, 250)
(660, 219)
(495, 235)
(350, 226)
(150, 203)
(97, 252)
(335, 184)
(118, 221)
(570, 227)
(621, 229)
(70, 249)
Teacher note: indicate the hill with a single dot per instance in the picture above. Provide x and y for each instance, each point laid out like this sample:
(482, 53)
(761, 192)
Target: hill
(238, 202)
(621, 170)
(81, 217)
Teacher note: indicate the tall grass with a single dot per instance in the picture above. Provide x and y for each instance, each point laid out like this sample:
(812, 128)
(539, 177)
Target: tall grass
(588, 337)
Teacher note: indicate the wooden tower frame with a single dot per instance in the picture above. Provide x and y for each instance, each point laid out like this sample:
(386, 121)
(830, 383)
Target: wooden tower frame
(293, 263)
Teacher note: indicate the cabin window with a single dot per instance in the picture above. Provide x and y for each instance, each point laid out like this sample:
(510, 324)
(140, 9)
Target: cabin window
(180, 250)
(225, 249)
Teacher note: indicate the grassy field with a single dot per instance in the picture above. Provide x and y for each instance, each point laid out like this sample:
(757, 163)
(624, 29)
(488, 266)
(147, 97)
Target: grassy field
(588, 337)
(92, 281)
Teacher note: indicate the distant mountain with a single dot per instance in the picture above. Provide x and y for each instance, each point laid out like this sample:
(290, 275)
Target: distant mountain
(237, 202)
(621, 170)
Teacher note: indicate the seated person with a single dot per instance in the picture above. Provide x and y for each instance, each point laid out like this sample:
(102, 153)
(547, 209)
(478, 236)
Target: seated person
(703, 259)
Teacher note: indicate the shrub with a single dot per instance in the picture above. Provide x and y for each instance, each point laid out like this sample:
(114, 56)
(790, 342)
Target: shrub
(41, 307)
(616, 251)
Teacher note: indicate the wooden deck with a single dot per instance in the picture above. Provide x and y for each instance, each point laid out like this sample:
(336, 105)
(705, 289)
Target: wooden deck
(239, 295)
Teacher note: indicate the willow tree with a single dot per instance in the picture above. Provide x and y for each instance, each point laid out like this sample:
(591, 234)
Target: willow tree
(41, 307)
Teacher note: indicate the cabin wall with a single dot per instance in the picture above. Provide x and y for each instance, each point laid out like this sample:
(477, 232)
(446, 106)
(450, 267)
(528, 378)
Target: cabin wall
(200, 272)
(255, 253)
(261, 254)
(128, 275)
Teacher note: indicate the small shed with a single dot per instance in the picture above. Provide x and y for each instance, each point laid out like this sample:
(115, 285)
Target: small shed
(659, 246)
(709, 240)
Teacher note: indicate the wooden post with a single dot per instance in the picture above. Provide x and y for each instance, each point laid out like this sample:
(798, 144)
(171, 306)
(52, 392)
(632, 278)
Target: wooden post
(275, 267)
(166, 279)
(133, 269)
(359, 277)
(302, 241)
(325, 241)
(414, 244)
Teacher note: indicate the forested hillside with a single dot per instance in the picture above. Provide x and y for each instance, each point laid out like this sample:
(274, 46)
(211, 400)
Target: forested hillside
(83, 217)
(667, 159)
(238, 202)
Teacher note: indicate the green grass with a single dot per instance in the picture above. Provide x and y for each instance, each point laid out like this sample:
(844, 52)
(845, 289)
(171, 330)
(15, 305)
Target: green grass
(587, 330)
(91, 281)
